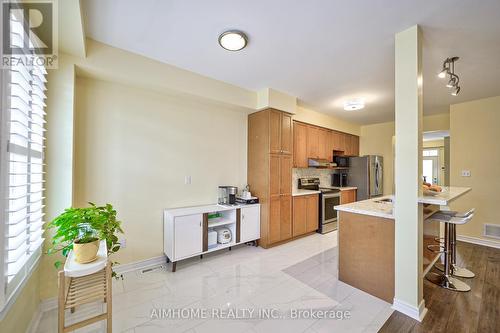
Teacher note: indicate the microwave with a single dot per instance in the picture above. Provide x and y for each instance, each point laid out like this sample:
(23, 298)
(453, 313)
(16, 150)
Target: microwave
(341, 161)
(340, 179)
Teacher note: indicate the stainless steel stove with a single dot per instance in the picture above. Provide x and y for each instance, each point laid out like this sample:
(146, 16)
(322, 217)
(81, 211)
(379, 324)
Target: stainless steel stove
(328, 199)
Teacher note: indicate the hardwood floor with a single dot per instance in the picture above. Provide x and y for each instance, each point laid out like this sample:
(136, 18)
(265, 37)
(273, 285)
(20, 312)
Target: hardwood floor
(474, 311)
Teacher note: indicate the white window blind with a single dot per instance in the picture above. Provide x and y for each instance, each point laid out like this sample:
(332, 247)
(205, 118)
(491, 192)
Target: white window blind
(24, 116)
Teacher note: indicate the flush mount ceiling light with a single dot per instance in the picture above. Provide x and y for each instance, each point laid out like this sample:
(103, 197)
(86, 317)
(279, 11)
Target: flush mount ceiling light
(449, 69)
(233, 40)
(354, 104)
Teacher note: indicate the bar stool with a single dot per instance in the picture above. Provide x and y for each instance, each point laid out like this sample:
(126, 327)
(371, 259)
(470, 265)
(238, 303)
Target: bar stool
(455, 269)
(449, 268)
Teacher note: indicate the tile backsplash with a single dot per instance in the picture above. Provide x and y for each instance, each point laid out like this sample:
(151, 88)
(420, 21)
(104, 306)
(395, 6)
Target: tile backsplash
(324, 176)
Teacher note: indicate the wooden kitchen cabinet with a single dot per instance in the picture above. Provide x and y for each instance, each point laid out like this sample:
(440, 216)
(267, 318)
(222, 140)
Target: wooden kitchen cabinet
(285, 174)
(274, 220)
(285, 217)
(323, 143)
(274, 174)
(305, 214)
(355, 145)
(270, 162)
(299, 215)
(286, 134)
(299, 145)
(312, 142)
(280, 132)
(351, 145)
(312, 213)
(347, 196)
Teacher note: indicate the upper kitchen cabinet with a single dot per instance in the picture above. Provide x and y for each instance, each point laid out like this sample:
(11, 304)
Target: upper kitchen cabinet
(351, 145)
(299, 145)
(280, 132)
(355, 145)
(323, 143)
(312, 142)
(338, 141)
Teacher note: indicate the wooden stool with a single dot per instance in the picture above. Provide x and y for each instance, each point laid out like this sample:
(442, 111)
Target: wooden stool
(85, 283)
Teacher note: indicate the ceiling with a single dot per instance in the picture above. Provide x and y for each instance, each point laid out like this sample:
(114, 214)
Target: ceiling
(435, 135)
(322, 51)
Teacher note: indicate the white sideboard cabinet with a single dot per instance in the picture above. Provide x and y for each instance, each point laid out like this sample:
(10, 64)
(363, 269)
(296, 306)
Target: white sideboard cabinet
(186, 229)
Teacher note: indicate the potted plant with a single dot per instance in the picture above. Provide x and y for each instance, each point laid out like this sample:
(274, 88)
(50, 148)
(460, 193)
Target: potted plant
(80, 229)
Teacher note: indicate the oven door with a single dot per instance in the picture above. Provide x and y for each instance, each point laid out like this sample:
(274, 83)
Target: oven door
(329, 214)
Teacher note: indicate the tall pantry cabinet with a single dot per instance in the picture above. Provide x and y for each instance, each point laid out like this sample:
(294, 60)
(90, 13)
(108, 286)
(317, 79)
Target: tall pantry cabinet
(270, 146)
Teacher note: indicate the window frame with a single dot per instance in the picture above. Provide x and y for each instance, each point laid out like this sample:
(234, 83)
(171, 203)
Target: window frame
(9, 291)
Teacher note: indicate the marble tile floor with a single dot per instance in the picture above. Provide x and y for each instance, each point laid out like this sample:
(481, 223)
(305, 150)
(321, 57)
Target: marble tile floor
(300, 275)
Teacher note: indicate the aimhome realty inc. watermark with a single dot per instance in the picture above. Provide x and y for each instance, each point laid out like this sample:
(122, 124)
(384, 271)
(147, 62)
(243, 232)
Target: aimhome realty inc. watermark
(29, 33)
(247, 313)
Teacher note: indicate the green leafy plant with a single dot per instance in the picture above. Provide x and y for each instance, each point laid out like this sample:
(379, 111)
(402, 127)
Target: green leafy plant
(85, 225)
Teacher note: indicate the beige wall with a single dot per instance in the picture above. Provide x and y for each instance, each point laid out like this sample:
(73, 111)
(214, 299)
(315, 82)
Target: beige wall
(475, 138)
(320, 119)
(376, 139)
(134, 147)
(22, 311)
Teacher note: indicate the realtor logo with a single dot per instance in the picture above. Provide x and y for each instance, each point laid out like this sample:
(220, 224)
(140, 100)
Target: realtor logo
(29, 33)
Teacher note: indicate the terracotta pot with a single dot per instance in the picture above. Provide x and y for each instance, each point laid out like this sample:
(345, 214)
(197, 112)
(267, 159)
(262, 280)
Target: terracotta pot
(86, 252)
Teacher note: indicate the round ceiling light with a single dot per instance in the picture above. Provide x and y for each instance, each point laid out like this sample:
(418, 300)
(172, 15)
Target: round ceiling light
(233, 40)
(354, 104)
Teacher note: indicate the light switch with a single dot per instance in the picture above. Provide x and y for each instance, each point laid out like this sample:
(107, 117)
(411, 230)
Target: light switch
(187, 180)
(465, 173)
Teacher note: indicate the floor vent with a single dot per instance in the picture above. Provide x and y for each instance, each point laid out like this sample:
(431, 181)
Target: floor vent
(152, 269)
(492, 230)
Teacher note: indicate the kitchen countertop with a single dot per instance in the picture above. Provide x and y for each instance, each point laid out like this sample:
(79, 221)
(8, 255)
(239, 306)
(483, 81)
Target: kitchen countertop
(444, 198)
(370, 207)
(182, 211)
(385, 209)
(345, 188)
(297, 192)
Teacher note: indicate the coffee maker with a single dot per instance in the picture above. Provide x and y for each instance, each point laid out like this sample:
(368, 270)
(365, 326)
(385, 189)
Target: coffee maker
(227, 195)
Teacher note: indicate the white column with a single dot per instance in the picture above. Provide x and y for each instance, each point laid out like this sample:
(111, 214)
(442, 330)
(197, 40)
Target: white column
(408, 297)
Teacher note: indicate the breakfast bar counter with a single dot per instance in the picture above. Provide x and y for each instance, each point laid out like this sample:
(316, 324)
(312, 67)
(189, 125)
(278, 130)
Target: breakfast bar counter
(366, 234)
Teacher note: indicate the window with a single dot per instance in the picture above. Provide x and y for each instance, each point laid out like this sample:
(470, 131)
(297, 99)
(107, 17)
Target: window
(22, 177)
(430, 152)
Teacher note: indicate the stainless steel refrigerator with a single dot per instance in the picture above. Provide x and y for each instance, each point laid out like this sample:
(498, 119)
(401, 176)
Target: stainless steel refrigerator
(366, 173)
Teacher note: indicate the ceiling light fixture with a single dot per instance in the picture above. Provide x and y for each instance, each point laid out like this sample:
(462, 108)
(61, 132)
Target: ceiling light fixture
(455, 91)
(449, 69)
(233, 40)
(354, 104)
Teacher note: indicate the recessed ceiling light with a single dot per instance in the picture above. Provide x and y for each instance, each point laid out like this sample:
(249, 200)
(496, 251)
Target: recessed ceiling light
(233, 40)
(354, 104)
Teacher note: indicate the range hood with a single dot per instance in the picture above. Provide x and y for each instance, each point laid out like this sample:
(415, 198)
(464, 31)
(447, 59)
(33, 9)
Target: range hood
(319, 163)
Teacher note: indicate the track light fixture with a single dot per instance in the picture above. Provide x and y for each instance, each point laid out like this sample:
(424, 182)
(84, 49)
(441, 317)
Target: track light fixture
(449, 69)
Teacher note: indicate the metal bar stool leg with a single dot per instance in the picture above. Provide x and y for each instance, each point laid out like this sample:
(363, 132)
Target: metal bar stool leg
(456, 270)
(445, 280)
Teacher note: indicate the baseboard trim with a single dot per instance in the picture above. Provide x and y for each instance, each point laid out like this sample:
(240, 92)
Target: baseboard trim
(51, 303)
(417, 313)
(479, 241)
(133, 266)
(35, 321)
(48, 304)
